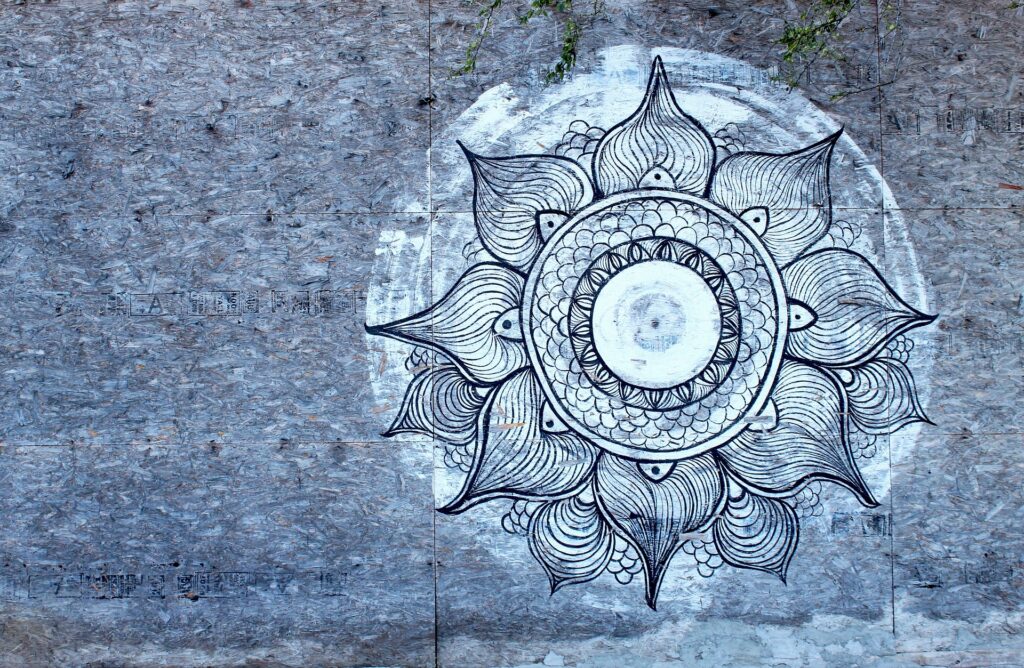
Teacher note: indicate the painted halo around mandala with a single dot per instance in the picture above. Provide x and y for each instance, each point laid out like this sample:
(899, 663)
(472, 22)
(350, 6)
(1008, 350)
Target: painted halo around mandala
(642, 423)
(663, 343)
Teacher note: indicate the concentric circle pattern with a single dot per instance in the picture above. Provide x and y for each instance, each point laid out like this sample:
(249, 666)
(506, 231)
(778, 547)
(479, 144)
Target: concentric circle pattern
(619, 414)
(668, 333)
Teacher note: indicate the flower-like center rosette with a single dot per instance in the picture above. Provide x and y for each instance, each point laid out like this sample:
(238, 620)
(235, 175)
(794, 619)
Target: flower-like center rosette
(653, 318)
(655, 323)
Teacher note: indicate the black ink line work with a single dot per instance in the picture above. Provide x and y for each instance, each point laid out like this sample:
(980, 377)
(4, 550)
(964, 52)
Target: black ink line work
(670, 349)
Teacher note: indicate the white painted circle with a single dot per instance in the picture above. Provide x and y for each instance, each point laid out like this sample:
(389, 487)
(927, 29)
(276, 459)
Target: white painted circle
(656, 324)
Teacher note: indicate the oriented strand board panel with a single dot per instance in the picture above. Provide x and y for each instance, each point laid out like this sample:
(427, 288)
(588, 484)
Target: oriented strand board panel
(318, 354)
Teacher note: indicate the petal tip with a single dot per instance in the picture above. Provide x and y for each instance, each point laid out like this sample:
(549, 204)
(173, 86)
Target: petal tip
(390, 330)
(854, 480)
(913, 319)
(470, 155)
(455, 506)
(865, 496)
(783, 570)
(652, 598)
(399, 330)
(658, 72)
(826, 145)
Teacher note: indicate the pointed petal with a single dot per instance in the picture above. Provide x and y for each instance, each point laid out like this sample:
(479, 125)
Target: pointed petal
(440, 402)
(793, 187)
(809, 442)
(856, 311)
(658, 141)
(882, 396)
(462, 324)
(656, 517)
(514, 458)
(514, 196)
(757, 532)
(571, 541)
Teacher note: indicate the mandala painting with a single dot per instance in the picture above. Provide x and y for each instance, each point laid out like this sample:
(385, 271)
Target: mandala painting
(661, 352)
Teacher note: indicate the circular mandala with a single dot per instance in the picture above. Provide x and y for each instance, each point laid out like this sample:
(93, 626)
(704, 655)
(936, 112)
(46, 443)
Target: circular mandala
(703, 355)
(641, 296)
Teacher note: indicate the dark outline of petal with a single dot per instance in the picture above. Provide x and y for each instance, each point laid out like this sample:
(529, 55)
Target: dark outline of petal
(841, 307)
(437, 395)
(506, 288)
(874, 414)
(795, 221)
(516, 446)
(749, 457)
(510, 231)
(765, 542)
(565, 544)
(620, 492)
(659, 92)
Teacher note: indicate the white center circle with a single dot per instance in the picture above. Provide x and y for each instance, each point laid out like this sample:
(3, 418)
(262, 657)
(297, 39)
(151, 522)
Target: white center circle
(656, 324)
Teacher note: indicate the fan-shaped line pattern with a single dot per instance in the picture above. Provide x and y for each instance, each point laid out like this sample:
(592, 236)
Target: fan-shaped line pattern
(514, 458)
(510, 192)
(461, 324)
(758, 533)
(794, 187)
(441, 403)
(857, 312)
(809, 442)
(657, 516)
(657, 135)
(882, 396)
(571, 541)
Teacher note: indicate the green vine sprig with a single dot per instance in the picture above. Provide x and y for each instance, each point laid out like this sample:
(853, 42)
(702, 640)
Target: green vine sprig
(813, 37)
(572, 21)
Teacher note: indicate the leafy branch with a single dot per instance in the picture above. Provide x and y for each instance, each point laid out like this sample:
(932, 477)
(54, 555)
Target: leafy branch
(483, 31)
(812, 37)
(570, 44)
(572, 30)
